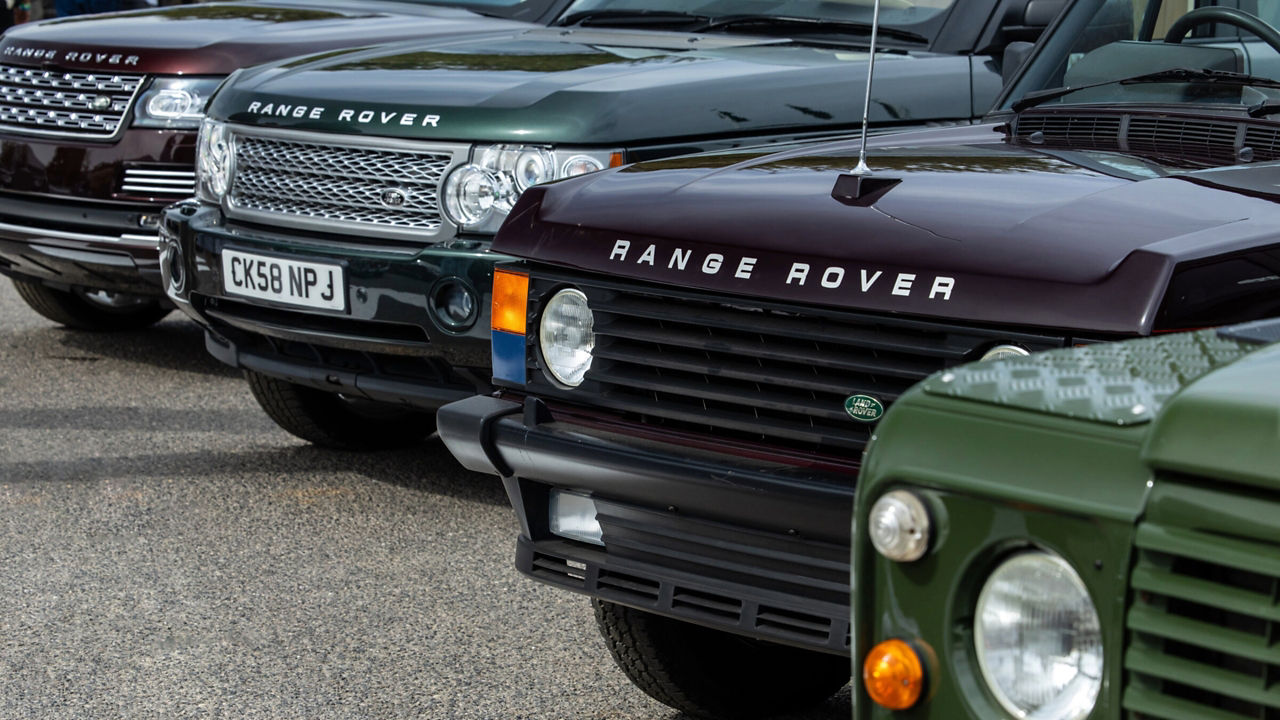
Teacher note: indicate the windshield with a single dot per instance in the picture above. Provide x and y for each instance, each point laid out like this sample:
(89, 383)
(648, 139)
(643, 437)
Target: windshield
(921, 17)
(1122, 49)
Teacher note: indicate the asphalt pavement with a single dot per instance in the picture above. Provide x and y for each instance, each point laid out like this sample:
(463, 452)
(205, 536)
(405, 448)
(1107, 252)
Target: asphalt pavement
(166, 551)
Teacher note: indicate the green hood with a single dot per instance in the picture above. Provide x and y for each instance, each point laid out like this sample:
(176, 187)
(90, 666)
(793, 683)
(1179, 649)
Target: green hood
(592, 87)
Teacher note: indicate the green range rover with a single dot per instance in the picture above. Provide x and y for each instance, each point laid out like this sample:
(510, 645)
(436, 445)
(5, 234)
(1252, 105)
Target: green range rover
(1085, 533)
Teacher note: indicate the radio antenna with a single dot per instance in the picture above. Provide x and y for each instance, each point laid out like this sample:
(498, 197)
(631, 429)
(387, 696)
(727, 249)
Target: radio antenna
(862, 170)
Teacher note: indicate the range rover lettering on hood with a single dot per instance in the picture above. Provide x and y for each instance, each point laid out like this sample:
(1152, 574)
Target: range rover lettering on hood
(351, 115)
(799, 274)
(75, 56)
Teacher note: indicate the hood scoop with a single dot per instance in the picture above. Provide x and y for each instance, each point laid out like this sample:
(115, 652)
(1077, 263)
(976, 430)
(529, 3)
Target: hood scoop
(1187, 141)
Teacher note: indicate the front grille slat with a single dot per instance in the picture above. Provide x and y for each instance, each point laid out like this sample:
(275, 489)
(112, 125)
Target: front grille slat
(366, 190)
(1209, 677)
(1203, 622)
(159, 182)
(56, 102)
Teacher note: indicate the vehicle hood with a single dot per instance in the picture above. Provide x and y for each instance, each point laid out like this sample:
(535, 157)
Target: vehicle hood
(592, 87)
(217, 38)
(970, 227)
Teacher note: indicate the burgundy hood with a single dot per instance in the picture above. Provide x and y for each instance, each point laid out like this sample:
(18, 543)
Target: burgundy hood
(971, 228)
(217, 38)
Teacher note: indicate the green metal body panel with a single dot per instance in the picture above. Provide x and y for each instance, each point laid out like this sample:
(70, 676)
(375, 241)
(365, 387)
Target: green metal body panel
(1047, 452)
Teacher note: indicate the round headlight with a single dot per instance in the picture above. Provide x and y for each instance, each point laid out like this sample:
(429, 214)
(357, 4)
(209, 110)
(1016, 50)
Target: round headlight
(580, 165)
(469, 195)
(566, 337)
(1038, 639)
(533, 167)
(1001, 352)
(215, 158)
(899, 526)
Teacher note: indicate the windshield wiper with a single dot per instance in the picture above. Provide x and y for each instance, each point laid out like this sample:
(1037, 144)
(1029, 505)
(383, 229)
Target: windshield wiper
(646, 18)
(1187, 75)
(782, 23)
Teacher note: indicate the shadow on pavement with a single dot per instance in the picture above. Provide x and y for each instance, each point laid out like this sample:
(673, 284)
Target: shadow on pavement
(174, 344)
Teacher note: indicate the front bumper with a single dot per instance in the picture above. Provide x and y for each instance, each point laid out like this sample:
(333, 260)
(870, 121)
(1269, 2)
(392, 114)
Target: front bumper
(388, 345)
(68, 244)
(83, 213)
(705, 537)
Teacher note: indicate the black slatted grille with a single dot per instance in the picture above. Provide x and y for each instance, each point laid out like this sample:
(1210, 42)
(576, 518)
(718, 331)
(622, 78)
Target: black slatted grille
(744, 371)
(1092, 131)
(1206, 141)
(1171, 139)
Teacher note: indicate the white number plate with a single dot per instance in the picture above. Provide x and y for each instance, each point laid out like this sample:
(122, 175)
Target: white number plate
(308, 284)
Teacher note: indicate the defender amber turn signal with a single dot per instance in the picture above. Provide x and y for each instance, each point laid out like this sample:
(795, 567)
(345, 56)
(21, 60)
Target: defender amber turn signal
(893, 675)
(510, 299)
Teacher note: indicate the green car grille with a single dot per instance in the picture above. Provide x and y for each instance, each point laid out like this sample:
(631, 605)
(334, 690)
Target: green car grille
(1203, 619)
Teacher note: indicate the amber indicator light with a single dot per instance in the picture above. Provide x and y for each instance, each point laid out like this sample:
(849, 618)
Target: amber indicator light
(615, 159)
(510, 298)
(893, 675)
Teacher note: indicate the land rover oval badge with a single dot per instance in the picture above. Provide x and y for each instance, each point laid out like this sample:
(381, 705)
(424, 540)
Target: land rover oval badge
(394, 197)
(863, 408)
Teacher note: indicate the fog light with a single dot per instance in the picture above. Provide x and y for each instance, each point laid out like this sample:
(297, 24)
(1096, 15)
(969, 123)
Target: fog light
(893, 675)
(899, 526)
(173, 267)
(573, 516)
(454, 305)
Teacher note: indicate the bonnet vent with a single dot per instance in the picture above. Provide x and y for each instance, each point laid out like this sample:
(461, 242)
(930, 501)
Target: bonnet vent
(1186, 141)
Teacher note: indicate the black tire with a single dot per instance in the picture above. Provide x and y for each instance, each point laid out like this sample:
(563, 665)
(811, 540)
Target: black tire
(78, 308)
(329, 420)
(711, 674)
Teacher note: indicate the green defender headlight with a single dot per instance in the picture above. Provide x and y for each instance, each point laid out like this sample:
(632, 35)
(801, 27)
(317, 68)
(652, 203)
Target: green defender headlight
(213, 161)
(478, 195)
(566, 336)
(1038, 639)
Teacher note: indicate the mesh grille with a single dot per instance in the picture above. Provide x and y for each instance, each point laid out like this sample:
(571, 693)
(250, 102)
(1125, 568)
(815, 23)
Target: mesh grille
(72, 103)
(354, 186)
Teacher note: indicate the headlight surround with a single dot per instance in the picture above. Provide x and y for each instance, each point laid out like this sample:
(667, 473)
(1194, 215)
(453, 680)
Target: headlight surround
(479, 194)
(1038, 639)
(174, 102)
(566, 336)
(213, 161)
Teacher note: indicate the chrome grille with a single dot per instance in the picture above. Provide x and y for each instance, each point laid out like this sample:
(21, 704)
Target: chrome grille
(65, 103)
(365, 189)
(158, 182)
(1204, 617)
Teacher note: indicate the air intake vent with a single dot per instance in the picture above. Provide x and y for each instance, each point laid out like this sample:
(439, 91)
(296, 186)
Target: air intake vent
(161, 182)
(1205, 141)
(1204, 619)
(1093, 131)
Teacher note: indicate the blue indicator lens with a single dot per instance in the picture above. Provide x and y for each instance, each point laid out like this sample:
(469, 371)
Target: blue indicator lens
(508, 357)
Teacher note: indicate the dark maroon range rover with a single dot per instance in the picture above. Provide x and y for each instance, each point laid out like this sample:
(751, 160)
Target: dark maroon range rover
(695, 352)
(98, 121)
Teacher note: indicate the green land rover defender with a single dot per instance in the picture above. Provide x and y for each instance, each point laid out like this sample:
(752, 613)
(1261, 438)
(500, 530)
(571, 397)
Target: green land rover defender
(1083, 533)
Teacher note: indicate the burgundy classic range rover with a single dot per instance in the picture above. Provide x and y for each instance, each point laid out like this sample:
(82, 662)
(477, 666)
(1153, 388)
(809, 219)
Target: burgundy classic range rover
(694, 353)
(98, 120)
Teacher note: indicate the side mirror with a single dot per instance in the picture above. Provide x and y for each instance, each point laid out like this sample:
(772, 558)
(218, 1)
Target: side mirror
(1015, 53)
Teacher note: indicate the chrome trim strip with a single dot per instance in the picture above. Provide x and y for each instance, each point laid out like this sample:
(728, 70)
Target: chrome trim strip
(461, 153)
(179, 188)
(160, 173)
(130, 239)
